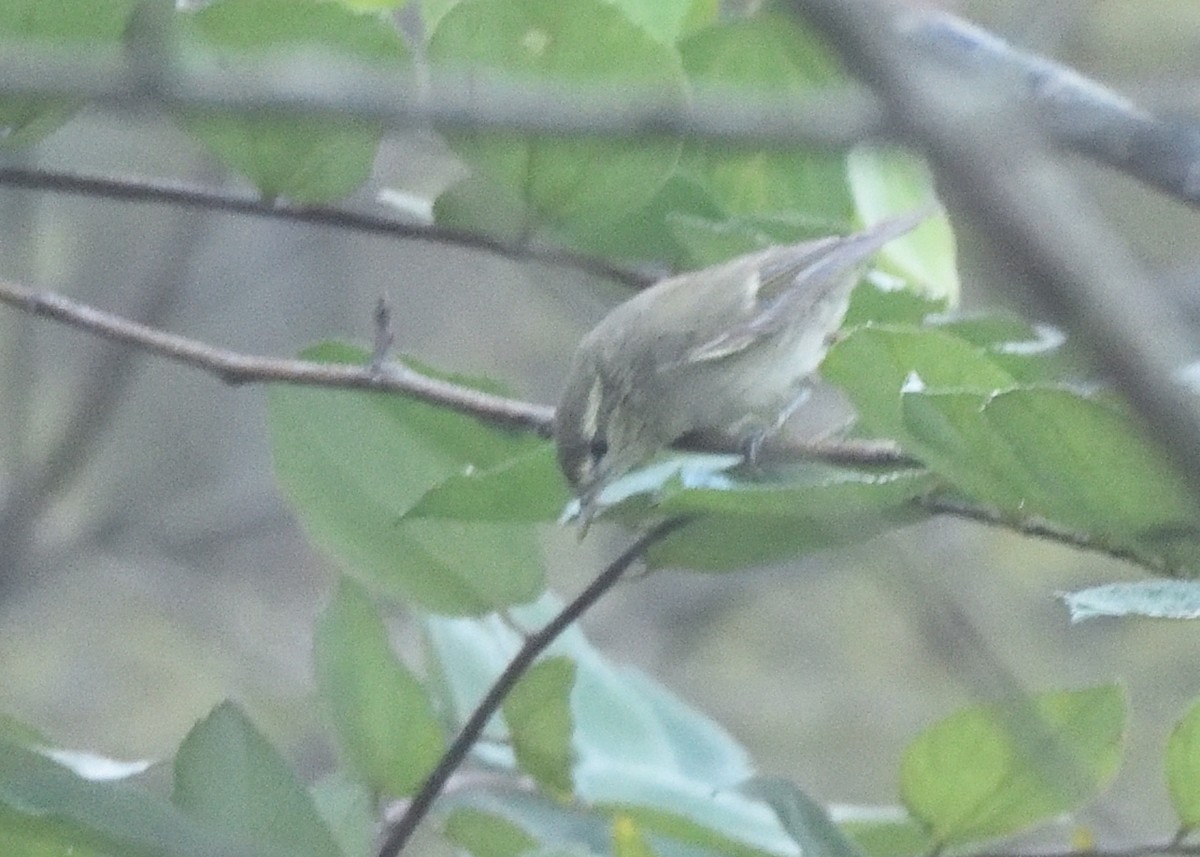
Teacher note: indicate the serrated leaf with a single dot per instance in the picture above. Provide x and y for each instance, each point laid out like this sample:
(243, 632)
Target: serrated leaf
(538, 714)
(352, 464)
(1052, 452)
(575, 184)
(807, 508)
(1183, 768)
(227, 774)
(872, 365)
(305, 159)
(383, 717)
(998, 769)
(1030, 353)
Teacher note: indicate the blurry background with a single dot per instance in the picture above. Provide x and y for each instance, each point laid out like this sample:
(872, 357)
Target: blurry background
(149, 569)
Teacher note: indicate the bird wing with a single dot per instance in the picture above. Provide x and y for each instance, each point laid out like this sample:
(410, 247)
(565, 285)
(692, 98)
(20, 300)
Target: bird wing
(792, 280)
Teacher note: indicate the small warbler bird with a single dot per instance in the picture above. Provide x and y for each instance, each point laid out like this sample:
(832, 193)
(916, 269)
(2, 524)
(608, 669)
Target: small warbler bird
(728, 348)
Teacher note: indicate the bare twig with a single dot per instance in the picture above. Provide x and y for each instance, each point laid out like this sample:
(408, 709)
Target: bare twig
(533, 646)
(939, 504)
(384, 335)
(138, 189)
(235, 368)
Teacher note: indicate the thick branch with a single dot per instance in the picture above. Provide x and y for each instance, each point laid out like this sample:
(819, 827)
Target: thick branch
(1054, 249)
(1075, 112)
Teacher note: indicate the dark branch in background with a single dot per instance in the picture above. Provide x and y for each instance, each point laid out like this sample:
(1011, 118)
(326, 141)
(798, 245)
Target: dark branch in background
(533, 646)
(137, 189)
(1033, 218)
(1074, 112)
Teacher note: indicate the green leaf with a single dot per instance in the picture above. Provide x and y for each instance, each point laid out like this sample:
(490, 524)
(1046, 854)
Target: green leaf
(651, 232)
(805, 820)
(486, 835)
(47, 809)
(353, 463)
(1052, 452)
(665, 20)
(870, 304)
(383, 717)
(1154, 599)
(884, 831)
(305, 159)
(579, 184)
(628, 839)
(71, 27)
(773, 55)
(348, 809)
(639, 750)
(803, 508)
(481, 205)
(227, 774)
(1183, 768)
(526, 488)
(1031, 354)
(890, 182)
(538, 714)
(710, 239)
(998, 769)
(872, 365)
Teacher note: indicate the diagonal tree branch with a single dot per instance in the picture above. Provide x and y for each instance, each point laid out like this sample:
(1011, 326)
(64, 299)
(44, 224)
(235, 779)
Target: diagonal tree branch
(533, 646)
(161, 191)
(236, 368)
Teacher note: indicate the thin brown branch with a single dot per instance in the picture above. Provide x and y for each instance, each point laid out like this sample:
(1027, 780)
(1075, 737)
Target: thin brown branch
(235, 368)
(533, 646)
(938, 504)
(163, 192)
